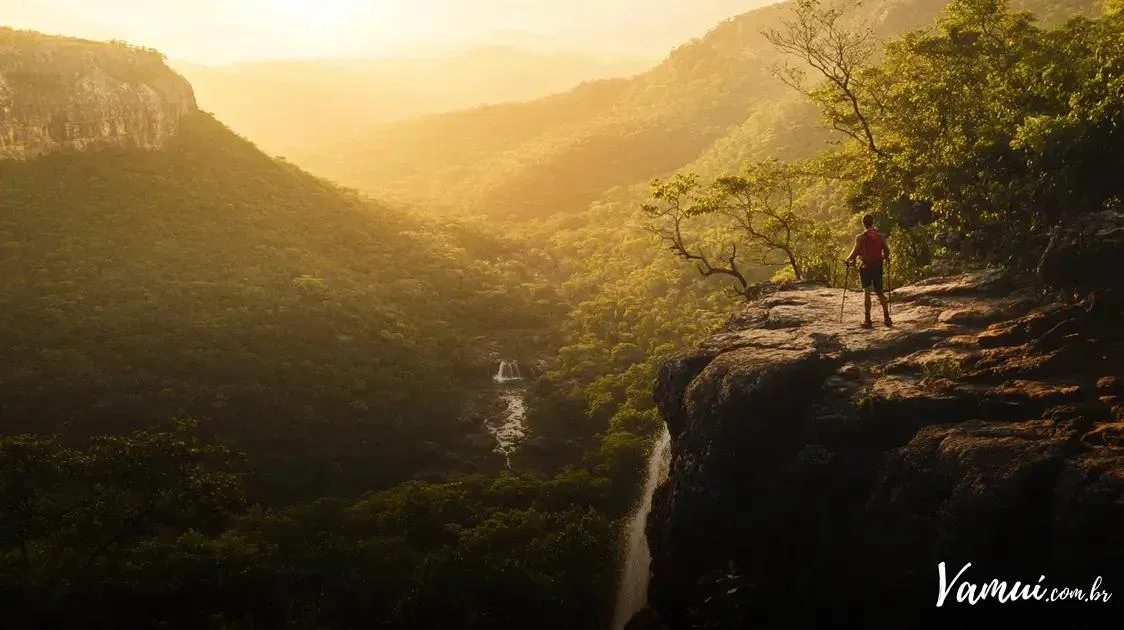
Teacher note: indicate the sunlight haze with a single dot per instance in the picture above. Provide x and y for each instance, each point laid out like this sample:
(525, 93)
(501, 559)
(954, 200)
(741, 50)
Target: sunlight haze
(561, 314)
(217, 31)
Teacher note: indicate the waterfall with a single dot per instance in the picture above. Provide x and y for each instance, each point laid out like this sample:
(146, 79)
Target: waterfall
(509, 371)
(633, 591)
(511, 431)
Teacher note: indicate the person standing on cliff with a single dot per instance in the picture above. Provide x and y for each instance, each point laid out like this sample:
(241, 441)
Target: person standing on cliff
(871, 250)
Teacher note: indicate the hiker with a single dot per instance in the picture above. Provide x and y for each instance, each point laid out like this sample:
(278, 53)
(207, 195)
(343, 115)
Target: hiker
(870, 247)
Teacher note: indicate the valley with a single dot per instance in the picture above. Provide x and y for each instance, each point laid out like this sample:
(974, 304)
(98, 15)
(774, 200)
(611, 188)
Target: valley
(436, 367)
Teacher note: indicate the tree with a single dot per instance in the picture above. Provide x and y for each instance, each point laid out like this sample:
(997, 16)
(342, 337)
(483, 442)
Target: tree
(818, 36)
(757, 209)
(68, 513)
(988, 127)
(681, 200)
(762, 204)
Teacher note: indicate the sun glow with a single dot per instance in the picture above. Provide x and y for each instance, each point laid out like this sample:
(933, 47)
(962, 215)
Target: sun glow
(217, 32)
(319, 14)
(330, 27)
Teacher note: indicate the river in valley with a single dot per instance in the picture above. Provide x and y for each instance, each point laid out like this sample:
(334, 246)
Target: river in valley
(509, 428)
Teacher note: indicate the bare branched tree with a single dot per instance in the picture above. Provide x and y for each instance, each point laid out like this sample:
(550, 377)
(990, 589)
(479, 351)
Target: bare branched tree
(680, 199)
(817, 37)
(761, 204)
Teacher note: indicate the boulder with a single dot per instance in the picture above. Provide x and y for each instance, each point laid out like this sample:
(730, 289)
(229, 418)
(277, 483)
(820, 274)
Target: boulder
(1086, 254)
(645, 620)
(828, 470)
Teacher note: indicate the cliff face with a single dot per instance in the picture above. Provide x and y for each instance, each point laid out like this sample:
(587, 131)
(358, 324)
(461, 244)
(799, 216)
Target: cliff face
(60, 94)
(822, 472)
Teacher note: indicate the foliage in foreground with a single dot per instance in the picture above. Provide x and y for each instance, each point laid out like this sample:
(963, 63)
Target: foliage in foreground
(151, 530)
(971, 140)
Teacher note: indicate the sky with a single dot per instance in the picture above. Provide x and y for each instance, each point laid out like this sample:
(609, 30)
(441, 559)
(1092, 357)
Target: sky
(225, 31)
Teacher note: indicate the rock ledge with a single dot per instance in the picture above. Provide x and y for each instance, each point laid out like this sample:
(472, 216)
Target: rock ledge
(826, 470)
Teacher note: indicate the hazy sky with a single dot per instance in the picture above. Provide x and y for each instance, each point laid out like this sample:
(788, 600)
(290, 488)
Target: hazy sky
(218, 31)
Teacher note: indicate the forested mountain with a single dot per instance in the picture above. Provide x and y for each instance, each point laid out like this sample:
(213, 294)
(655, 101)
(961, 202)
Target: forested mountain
(207, 280)
(286, 106)
(325, 344)
(204, 347)
(714, 98)
(570, 172)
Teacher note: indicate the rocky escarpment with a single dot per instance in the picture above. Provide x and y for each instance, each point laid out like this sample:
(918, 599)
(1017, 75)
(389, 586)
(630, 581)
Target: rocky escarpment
(820, 472)
(60, 94)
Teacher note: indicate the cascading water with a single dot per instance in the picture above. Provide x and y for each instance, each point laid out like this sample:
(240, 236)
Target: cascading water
(510, 430)
(509, 371)
(632, 595)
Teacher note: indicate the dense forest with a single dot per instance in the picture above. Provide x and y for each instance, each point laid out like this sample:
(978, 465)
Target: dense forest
(233, 384)
(715, 101)
(289, 316)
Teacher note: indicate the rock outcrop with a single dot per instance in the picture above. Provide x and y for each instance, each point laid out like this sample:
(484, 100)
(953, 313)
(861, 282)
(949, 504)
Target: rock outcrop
(1087, 254)
(820, 472)
(60, 94)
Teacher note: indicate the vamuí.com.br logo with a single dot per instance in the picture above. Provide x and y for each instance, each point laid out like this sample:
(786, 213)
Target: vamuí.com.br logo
(961, 589)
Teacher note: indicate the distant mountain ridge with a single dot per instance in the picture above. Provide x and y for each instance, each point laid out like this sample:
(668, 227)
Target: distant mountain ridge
(711, 104)
(284, 105)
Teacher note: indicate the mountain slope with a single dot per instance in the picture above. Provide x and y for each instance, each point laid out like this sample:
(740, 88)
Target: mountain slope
(64, 94)
(562, 152)
(312, 328)
(286, 105)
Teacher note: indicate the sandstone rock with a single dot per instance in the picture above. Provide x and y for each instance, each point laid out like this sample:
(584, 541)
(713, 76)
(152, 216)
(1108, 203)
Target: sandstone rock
(1110, 385)
(836, 467)
(929, 362)
(988, 281)
(1086, 253)
(1107, 435)
(969, 316)
(644, 620)
(61, 94)
(1053, 393)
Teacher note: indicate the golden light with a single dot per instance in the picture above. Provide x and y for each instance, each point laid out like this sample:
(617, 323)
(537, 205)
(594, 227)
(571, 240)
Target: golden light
(319, 15)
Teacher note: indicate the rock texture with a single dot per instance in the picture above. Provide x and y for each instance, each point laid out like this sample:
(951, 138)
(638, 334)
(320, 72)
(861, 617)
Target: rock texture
(821, 472)
(60, 94)
(1086, 254)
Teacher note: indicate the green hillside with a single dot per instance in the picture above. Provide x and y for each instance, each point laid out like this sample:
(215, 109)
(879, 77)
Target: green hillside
(634, 304)
(560, 153)
(209, 281)
(328, 344)
(285, 105)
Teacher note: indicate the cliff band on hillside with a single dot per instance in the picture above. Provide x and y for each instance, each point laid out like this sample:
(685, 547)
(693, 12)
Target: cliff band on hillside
(63, 94)
(822, 472)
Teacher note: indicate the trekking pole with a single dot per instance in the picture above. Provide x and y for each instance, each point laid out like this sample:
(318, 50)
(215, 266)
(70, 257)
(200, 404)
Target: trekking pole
(846, 281)
(890, 297)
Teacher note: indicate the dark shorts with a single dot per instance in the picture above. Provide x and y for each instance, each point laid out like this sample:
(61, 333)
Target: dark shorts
(871, 276)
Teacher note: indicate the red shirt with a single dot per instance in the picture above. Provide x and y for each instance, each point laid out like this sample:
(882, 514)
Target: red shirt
(871, 245)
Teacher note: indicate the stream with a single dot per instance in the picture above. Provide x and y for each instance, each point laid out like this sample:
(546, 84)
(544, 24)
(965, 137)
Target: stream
(509, 430)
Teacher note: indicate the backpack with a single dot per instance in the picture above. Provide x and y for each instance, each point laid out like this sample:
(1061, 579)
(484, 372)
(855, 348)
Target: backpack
(871, 244)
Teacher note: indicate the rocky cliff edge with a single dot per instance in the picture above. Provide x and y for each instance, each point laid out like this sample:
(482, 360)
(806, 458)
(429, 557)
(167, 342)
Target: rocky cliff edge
(821, 472)
(61, 94)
